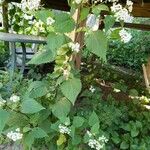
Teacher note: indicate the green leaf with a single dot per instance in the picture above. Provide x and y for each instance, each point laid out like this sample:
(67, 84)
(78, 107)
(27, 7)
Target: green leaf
(62, 139)
(84, 13)
(115, 34)
(93, 119)
(95, 128)
(37, 89)
(61, 109)
(43, 15)
(98, 8)
(4, 116)
(28, 140)
(64, 23)
(109, 22)
(71, 88)
(134, 132)
(17, 119)
(124, 145)
(78, 121)
(55, 41)
(116, 139)
(31, 106)
(38, 133)
(96, 43)
(42, 57)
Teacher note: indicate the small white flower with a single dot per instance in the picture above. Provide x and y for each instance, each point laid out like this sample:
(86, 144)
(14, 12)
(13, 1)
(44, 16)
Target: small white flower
(64, 129)
(115, 7)
(125, 36)
(74, 47)
(78, 1)
(116, 90)
(129, 5)
(92, 89)
(14, 98)
(89, 133)
(15, 135)
(103, 139)
(66, 73)
(50, 21)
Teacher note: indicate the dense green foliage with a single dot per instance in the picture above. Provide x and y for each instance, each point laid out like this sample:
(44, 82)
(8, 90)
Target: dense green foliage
(66, 109)
(133, 54)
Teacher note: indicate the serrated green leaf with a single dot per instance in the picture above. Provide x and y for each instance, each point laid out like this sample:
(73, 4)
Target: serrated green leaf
(55, 41)
(124, 145)
(109, 22)
(84, 13)
(43, 15)
(31, 106)
(96, 43)
(37, 89)
(64, 23)
(17, 119)
(134, 132)
(98, 8)
(42, 57)
(38, 133)
(78, 121)
(115, 34)
(71, 88)
(61, 108)
(4, 116)
(95, 128)
(93, 119)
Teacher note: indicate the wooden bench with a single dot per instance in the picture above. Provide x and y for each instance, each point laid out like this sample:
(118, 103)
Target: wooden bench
(23, 52)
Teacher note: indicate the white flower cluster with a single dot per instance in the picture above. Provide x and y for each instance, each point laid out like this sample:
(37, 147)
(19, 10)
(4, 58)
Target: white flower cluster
(15, 135)
(75, 47)
(14, 98)
(92, 89)
(50, 21)
(123, 13)
(104, 1)
(92, 22)
(125, 36)
(28, 5)
(97, 144)
(64, 129)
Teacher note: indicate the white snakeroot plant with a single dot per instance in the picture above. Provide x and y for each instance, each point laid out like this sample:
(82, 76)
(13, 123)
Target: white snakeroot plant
(125, 36)
(14, 98)
(15, 135)
(64, 129)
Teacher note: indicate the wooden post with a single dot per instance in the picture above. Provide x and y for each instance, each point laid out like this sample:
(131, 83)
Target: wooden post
(78, 37)
(146, 73)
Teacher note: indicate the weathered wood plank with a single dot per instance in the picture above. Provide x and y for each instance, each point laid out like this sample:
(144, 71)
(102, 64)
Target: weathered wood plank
(10, 37)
